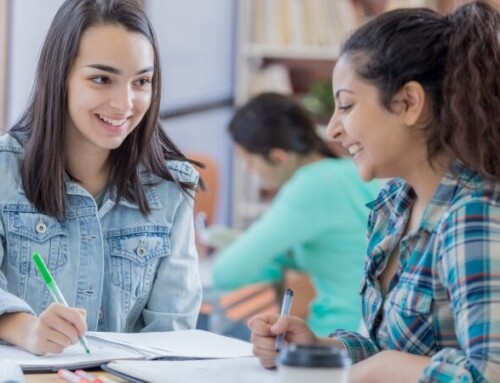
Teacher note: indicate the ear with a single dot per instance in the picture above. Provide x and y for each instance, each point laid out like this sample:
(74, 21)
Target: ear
(413, 98)
(278, 156)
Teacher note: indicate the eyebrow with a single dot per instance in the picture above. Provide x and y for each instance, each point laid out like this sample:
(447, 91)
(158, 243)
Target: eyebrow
(110, 69)
(337, 93)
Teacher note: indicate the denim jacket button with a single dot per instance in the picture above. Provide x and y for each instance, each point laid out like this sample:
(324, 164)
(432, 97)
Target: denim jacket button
(41, 228)
(141, 251)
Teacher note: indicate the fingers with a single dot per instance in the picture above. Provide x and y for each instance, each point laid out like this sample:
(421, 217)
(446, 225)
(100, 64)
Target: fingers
(57, 328)
(265, 349)
(261, 324)
(265, 328)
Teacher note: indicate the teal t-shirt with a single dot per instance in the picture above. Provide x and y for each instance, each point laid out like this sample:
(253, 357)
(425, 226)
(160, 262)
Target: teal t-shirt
(319, 217)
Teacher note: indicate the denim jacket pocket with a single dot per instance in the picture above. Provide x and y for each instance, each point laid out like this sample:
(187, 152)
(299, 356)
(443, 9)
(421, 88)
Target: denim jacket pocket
(29, 232)
(135, 255)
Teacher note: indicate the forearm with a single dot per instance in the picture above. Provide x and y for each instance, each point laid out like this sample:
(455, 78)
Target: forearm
(15, 327)
(330, 342)
(390, 367)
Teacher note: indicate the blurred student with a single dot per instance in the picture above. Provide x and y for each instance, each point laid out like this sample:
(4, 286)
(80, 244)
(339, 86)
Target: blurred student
(90, 181)
(315, 224)
(417, 98)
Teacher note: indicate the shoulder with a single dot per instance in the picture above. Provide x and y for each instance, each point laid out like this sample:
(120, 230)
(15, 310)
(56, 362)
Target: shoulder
(182, 171)
(9, 145)
(11, 154)
(476, 199)
(333, 179)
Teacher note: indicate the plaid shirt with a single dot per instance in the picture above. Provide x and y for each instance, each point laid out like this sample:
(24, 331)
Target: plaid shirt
(444, 300)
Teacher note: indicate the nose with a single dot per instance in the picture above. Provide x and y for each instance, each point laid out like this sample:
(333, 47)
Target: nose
(122, 99)
(335, 129)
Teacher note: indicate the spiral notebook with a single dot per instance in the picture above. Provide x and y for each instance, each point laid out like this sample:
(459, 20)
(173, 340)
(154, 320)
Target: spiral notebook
(106, 346)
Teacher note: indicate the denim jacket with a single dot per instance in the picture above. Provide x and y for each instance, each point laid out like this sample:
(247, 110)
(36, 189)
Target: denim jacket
(130, 272)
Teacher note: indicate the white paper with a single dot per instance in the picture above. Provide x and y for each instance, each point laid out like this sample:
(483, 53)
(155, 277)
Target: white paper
(186, 343)
(74, 355)
(10, 372)
(240, 370)
(107, 346)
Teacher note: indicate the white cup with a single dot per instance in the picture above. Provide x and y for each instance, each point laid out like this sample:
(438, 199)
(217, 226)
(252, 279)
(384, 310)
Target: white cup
(313, 364)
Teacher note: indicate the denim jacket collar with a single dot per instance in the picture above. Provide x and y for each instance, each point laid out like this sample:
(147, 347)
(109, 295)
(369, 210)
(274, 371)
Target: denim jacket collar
(147, 180)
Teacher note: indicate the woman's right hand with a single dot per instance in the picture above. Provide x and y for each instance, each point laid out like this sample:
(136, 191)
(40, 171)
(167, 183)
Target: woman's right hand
(265, 328)
(55, 329)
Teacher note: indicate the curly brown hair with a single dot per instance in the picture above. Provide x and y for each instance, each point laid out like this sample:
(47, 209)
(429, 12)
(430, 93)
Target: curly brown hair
(456, 59)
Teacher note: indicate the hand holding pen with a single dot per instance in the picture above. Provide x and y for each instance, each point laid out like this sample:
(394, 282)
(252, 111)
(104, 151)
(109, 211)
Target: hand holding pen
(268, 332)
(58, 326)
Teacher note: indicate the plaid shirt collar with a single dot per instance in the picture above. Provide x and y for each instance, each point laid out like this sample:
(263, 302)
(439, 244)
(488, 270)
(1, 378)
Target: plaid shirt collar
(398, 199)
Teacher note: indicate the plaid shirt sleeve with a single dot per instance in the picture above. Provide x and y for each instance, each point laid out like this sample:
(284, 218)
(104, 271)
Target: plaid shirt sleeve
(357, 346)
(469, 267)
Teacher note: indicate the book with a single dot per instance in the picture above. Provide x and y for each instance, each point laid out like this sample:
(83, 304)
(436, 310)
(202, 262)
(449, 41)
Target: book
(241, 370)
(10, 372)
(108, 346)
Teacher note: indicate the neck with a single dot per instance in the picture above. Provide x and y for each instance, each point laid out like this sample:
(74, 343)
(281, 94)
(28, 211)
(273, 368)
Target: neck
(425, 180)
(90, 169)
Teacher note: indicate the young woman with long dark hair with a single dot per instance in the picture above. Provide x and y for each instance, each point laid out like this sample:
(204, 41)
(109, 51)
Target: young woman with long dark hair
(92, 183)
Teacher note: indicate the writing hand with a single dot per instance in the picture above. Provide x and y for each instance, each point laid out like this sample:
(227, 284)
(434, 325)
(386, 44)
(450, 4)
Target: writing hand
(55, 329)
(265, 328)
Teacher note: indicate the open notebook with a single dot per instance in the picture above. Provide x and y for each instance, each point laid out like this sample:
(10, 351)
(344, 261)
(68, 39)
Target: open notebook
(107, 346)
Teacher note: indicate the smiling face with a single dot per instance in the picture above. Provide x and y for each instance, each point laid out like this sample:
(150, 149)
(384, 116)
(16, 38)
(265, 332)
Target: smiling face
(109, 88)
(380, 142)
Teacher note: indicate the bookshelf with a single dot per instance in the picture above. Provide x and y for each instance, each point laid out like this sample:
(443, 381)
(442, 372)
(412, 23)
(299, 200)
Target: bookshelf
(288, 46)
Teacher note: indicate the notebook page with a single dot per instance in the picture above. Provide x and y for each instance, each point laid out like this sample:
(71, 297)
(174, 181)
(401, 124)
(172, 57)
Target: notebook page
(74, 355)
(185, 343)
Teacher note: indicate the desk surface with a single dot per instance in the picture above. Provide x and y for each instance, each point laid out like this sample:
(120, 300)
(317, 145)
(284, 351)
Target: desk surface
(52, 378)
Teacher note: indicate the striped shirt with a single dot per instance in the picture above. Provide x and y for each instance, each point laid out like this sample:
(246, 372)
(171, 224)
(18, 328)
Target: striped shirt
(444, 300)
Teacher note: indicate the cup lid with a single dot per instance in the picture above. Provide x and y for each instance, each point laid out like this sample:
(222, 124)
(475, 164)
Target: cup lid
(299, 355)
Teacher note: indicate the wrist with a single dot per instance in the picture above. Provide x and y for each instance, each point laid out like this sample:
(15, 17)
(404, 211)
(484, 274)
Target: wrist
(15, 328)
(330, 342)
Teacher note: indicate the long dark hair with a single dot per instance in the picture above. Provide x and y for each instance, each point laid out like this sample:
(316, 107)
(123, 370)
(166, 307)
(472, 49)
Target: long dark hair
(41, 127)
(272, 120)
(456, 58)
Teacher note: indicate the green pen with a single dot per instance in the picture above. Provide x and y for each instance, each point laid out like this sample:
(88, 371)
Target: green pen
(54, 290)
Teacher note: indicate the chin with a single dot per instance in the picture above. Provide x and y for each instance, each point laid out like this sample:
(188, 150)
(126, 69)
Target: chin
(366, 175)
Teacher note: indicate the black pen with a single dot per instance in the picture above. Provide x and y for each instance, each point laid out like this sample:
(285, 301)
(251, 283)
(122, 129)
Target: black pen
(285, 310)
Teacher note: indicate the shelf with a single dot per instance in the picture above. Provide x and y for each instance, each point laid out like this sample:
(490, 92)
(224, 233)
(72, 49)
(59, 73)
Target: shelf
(291, 52)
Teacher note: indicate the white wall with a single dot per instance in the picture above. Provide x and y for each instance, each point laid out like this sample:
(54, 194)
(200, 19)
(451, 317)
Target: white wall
(196, 40)
(29, 23)
(206, 133)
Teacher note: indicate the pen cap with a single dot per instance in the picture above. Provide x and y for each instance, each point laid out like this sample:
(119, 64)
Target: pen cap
(298, 355)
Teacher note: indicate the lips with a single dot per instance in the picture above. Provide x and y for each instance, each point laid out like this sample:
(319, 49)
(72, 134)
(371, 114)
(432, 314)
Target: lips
(111, 121)
(111, 125)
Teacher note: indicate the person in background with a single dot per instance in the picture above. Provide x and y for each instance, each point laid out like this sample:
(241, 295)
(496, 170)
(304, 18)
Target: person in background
(417, 98)
(92, 183)
(316, 222)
